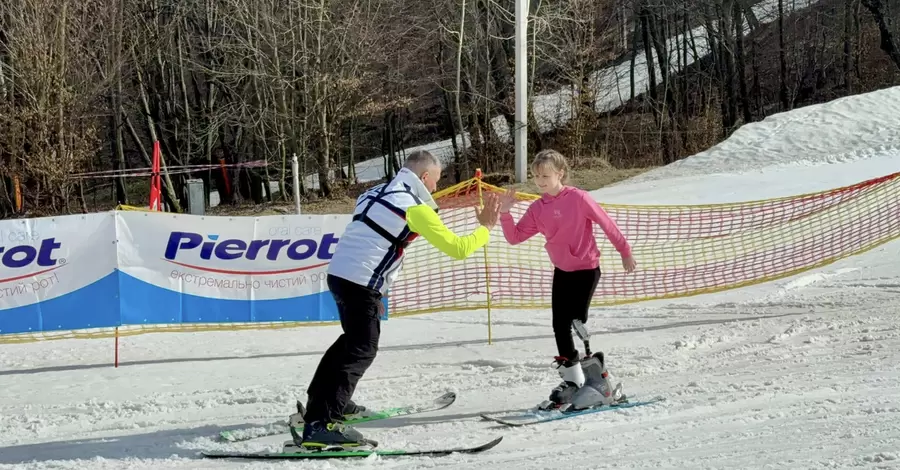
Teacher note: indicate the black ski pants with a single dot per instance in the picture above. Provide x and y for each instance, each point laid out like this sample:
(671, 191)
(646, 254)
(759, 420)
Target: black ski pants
(346, 361)
(570, 300)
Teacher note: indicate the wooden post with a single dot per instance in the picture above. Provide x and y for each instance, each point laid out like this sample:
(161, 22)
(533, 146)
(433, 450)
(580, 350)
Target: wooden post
(18, 192)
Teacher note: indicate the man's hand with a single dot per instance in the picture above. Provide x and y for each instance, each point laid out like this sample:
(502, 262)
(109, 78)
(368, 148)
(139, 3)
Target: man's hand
(507, 200)
(488, 214)
(629, 263)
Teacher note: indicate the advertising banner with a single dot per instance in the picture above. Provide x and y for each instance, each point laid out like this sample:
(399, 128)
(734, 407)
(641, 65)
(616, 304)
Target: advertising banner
(58, 273)
(141, 268)
(182, 268)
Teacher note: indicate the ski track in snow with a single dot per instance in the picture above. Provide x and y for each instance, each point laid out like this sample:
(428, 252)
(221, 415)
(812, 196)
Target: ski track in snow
(802, 372)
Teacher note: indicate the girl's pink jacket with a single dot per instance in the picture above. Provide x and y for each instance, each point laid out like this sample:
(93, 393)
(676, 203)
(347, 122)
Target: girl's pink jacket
(566, 222)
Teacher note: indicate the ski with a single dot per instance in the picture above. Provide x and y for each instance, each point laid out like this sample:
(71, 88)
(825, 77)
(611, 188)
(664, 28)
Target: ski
(530, 417)
(340, 454)
(246, 434)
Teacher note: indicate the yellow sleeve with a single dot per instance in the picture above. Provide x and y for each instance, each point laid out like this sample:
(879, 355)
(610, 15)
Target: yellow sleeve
(425, 221)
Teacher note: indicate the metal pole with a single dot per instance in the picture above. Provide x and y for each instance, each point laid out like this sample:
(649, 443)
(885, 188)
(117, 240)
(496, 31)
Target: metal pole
(521, 136)
(295, 171)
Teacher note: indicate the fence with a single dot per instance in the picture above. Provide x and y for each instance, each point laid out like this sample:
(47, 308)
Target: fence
(133, 272)
(681, 250)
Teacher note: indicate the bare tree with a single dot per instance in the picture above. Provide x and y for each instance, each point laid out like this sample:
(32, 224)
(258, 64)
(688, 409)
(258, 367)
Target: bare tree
(47, 115)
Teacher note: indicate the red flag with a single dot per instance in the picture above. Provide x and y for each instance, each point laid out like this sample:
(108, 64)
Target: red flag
(155, 183)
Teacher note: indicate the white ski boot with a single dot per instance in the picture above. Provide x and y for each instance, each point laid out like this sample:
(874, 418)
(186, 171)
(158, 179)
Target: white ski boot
(597, 390)
(570, 370)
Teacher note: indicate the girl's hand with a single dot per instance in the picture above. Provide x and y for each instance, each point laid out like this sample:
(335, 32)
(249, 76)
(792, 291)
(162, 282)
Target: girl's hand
(507, 200)
(629, 263)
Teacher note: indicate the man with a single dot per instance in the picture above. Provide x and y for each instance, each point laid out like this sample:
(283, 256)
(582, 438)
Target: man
(366, 261)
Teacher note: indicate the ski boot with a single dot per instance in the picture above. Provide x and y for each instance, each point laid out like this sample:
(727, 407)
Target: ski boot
(298, 428)
(570, 370)
(597, 389)
(321, 436)
(351, 411)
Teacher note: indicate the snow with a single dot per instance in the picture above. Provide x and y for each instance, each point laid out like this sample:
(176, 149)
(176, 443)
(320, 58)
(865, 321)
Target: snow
(803, 372)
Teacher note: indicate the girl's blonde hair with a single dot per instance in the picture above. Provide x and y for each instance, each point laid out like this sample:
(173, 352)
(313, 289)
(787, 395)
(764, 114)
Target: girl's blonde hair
(555, 160)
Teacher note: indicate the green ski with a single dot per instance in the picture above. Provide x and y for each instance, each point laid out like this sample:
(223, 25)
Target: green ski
(246, 434)
(342, 454)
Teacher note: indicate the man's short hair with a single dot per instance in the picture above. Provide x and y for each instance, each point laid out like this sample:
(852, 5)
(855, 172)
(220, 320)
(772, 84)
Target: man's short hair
(419, 160)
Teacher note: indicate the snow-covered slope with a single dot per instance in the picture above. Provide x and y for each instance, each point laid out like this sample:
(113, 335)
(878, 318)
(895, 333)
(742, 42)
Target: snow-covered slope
(827, 133)
(799, 373)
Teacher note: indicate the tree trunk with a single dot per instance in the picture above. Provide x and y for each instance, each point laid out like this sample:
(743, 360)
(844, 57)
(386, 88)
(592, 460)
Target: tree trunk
(648, 52)
(462, 162)
(638, 27)
(848, 46)
(887, 26)
(667, 132)
(741, 61)
(116, 142)
(782, 60)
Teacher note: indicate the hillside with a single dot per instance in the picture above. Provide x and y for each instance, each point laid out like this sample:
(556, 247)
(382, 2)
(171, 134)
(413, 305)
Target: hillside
(626, 140)
(227, 85)
(821, 65)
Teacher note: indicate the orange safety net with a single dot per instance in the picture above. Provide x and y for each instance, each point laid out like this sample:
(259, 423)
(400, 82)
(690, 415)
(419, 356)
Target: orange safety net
(681, 250)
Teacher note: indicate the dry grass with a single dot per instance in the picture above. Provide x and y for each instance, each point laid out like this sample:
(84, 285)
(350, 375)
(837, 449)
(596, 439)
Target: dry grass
(587, 179)
(342, 205)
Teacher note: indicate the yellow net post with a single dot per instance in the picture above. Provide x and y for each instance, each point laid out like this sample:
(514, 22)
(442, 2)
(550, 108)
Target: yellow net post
(487, 272)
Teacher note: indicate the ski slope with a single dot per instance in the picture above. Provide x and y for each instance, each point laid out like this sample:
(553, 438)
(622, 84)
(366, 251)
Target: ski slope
(802, 372)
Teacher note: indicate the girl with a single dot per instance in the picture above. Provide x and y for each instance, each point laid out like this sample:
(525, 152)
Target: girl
(564, 215)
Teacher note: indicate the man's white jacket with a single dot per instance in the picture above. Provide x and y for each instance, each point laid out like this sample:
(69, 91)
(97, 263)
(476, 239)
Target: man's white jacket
(386, 219)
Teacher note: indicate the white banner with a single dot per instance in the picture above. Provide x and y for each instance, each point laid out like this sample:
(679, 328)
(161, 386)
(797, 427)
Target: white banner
(46, 258)
(236, 258)
(136, 268)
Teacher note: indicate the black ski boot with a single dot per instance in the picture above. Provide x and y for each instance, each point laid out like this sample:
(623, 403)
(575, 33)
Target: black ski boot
(320, 435)
(352, 409)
